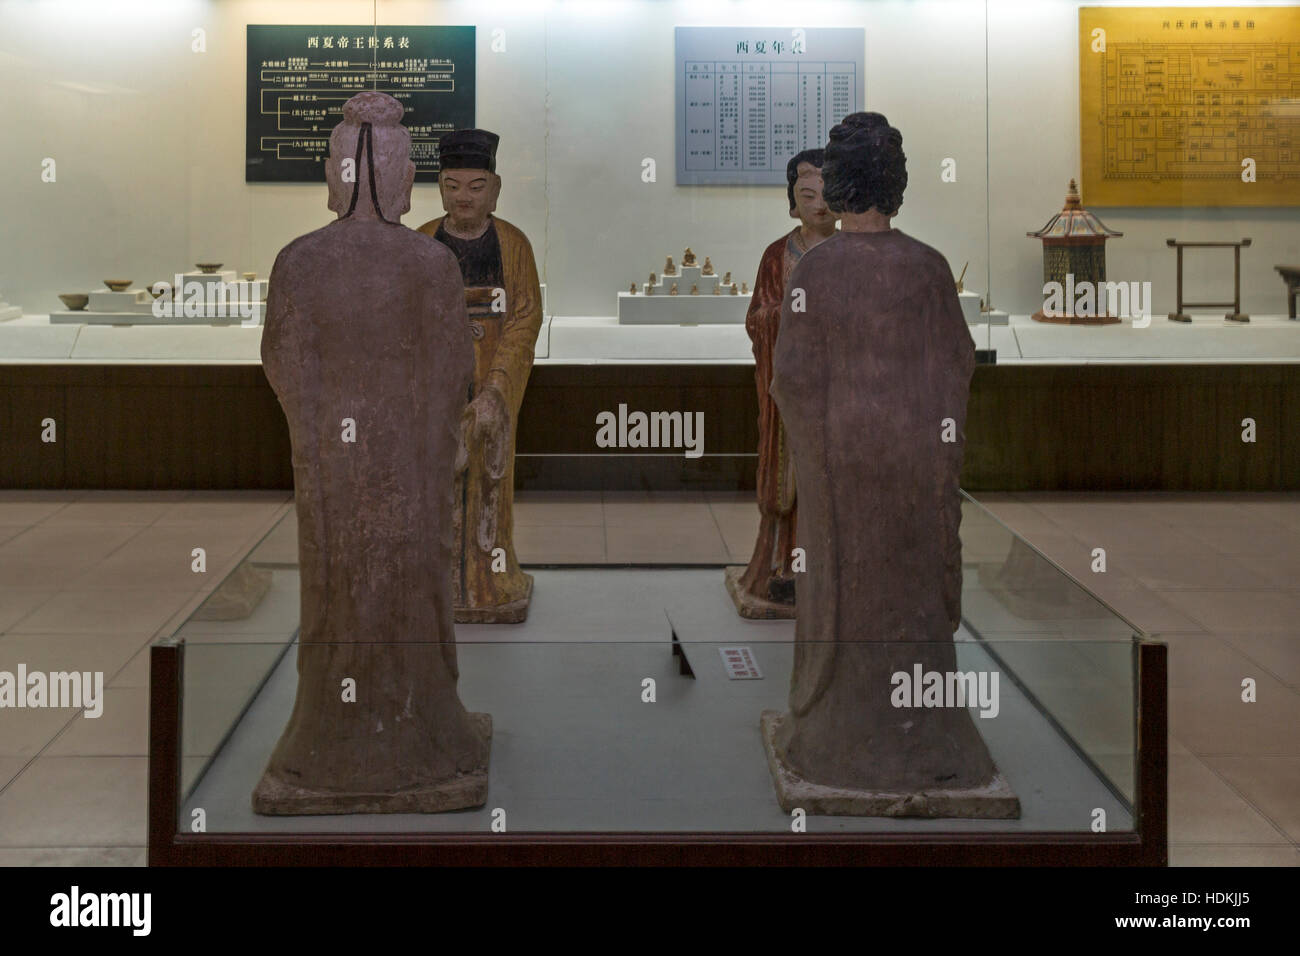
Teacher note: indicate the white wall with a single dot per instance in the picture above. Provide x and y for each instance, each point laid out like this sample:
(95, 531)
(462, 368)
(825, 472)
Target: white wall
(149, 141)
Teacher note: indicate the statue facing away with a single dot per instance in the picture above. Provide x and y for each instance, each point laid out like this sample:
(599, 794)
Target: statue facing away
(504, 300)
(765, 589)
(872, 377)
(366, 348)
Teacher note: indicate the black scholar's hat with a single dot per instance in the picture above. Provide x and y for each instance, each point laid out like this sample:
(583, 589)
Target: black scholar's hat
(468, 149)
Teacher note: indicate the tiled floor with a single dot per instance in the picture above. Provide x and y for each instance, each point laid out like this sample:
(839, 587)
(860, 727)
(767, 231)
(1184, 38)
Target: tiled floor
(89, 578)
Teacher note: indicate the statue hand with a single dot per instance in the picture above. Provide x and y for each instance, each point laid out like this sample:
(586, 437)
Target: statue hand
(489, 431)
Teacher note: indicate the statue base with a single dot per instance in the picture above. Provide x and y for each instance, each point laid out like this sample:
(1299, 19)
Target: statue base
(515, 612)
(238, 596)
(276, 797)
(995, 801)
(754, 608)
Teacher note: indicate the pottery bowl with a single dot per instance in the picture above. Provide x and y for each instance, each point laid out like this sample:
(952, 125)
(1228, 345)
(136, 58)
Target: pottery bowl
(75, 301)
(118, 285)
(208, 268)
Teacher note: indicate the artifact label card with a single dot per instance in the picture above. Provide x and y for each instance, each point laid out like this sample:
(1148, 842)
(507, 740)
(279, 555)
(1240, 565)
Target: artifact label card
(749, 98)
(299, 77)
(740, 663)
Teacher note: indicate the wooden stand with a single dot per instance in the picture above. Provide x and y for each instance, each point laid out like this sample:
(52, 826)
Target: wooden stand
(1291, 276)
(1236, 315)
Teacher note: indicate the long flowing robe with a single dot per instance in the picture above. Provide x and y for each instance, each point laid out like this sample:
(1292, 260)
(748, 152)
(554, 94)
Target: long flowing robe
(366, 321)
(870, 380)
(504, 343)
(776, 493)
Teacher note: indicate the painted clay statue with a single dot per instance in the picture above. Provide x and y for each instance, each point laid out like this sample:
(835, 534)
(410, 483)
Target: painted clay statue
(765, 589)
(365, 347)
(708, 267)
(632, 288)
(505, 314)
(695, 289)
(673, 290)
(726, 280)
(669, 268)
(688, 258)
(871, 378)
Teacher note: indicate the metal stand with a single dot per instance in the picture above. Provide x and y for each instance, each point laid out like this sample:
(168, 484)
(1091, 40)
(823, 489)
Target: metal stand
(1291, 276)
(1236, 315)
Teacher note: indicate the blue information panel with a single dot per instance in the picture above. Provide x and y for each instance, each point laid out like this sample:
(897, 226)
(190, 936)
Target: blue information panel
(749, 98)
(299, 77)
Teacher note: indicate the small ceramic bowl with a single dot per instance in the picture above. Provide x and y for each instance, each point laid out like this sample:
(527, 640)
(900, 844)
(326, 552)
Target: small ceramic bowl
(250, 276)
(154, 289)
(75, 301)
(118, 285)
(208, 268)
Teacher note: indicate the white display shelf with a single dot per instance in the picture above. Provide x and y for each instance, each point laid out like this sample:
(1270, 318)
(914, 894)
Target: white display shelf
(594, 340)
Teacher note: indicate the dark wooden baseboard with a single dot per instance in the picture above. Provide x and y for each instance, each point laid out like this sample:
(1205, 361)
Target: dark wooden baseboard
(1030, 427)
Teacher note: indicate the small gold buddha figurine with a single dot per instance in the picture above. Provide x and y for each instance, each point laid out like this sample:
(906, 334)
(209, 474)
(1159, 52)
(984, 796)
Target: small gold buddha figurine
(744, 288)
(632, 289)
(673, 290)
(669, 268)
(717, 290)
(734, 290)
(689, 258)
(726, 280)
(708, 267)
(695, 290)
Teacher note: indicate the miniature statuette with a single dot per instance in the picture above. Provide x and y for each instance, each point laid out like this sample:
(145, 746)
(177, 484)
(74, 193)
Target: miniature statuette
(865, 379)
(695, 289)
(717, 290)
(504, 300)
(673, 290)
(726, 280)
(744, 287)
(734, 290)
(374, 512)
(632, 288)
(688, 259)
(669, 268)
(654, 279)
(708, 267)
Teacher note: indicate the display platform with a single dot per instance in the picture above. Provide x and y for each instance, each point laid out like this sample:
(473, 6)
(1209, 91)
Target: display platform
(35, 339)
(587, 766)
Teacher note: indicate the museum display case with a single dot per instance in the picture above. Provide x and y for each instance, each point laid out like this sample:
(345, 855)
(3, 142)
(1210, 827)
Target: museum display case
(626, 726)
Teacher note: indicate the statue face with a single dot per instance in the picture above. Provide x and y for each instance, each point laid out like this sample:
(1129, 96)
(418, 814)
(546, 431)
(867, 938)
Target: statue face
(809, 207)
(468, 195)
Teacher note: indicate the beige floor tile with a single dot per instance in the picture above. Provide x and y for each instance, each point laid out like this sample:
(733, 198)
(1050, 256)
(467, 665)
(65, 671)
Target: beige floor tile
(1273, 570)
(280, 545)
(1130, 537)
(162, 557)
(739, 536)
(225, 508)
(1203, 809)
(1214, 720)
(564, 508)
(75, 856)
(9, 531)
(27, 508)
(103, 651)
(121, 610)
(17, 603)
(681, 515)
(1198, 569)
(1250, 536)
(10, 766)
(129, 508)
(50, 557)
(135, 673)
(1270, 784)
(1240, 611)
(1279, 653)
(25, 731)
(1152, 612)
(554, 544)
(1024, 519)
(665, 545)
(122, 730)
(76, 802)
(1183, 854)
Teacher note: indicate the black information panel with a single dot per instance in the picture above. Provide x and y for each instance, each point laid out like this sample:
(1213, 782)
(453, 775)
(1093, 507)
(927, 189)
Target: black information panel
(299, 77)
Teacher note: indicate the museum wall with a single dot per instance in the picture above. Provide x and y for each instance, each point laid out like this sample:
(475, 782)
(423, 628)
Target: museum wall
(148, 137)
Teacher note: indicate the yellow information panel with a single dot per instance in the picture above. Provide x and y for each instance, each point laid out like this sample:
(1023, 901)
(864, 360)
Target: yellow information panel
(1190, 106)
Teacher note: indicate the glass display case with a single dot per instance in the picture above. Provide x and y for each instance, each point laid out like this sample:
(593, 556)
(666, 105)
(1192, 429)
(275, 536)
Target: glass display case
(626, 726)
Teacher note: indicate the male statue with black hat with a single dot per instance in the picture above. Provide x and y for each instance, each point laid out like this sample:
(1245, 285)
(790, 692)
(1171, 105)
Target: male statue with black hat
(505, 314)
(765, 589)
